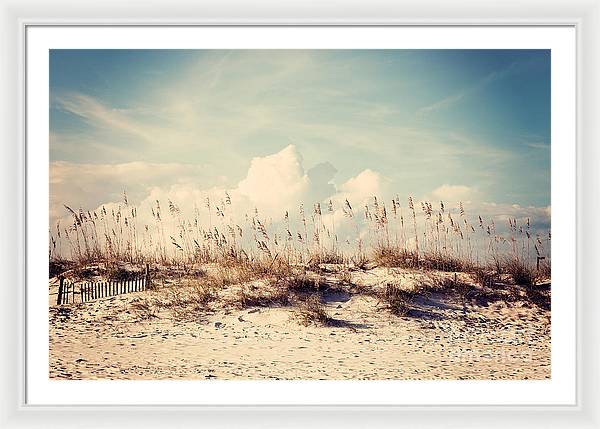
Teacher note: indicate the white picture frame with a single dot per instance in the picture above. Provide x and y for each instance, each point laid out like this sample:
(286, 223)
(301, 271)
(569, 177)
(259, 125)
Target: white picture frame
(584, 16)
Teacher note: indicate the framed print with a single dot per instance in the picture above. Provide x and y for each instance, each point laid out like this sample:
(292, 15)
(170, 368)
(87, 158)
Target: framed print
(253, 218)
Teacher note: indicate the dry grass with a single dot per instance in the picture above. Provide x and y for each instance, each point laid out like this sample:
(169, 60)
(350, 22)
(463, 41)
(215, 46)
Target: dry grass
(59, 266)
(521, 274)
(428, 235)
(255, 296)
(485, 277)
(393, 256)
(312, 311)
(187, 301)
(389, 256)
(397, 300)
(143, 309)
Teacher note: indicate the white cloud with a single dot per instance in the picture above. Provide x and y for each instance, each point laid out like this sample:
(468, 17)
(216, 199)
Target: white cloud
(454, 193)
(91, 185)
(362, 187)
(276, 182)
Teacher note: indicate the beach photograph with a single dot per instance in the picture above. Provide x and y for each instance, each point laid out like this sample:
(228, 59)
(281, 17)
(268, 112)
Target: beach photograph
(299, 214)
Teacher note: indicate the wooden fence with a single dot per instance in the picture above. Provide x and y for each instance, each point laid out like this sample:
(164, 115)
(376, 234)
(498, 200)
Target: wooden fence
(70, 292)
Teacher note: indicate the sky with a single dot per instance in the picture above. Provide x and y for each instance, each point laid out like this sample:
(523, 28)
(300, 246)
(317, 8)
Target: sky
(279, 127)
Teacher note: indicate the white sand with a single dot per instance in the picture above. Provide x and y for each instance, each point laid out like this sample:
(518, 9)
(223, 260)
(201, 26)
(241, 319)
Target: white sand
(106, 339)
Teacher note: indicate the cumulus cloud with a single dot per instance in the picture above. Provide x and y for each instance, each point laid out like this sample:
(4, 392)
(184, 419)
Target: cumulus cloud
(455, 193)
(273, 184)
(276, 182)
(364, 186)
(91, 185)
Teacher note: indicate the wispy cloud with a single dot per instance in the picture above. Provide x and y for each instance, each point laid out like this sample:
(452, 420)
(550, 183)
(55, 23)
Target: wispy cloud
(442, 104)
(543, 146)
(97, 114)
(465, 92)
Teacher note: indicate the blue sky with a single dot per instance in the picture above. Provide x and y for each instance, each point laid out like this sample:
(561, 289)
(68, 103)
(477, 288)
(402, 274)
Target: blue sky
(472, 125)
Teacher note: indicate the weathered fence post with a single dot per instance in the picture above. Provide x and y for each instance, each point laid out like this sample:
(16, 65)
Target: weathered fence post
(60, 290)
(147, 276)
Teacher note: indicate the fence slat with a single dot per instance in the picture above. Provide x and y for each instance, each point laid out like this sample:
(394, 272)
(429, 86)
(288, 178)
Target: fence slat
(89, 291)
(147, 285)
(60, 290)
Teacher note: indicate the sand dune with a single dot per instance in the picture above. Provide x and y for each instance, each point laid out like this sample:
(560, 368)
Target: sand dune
(440, 339)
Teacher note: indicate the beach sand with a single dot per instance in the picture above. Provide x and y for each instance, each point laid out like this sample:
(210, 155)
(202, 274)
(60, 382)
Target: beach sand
(440, 339)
